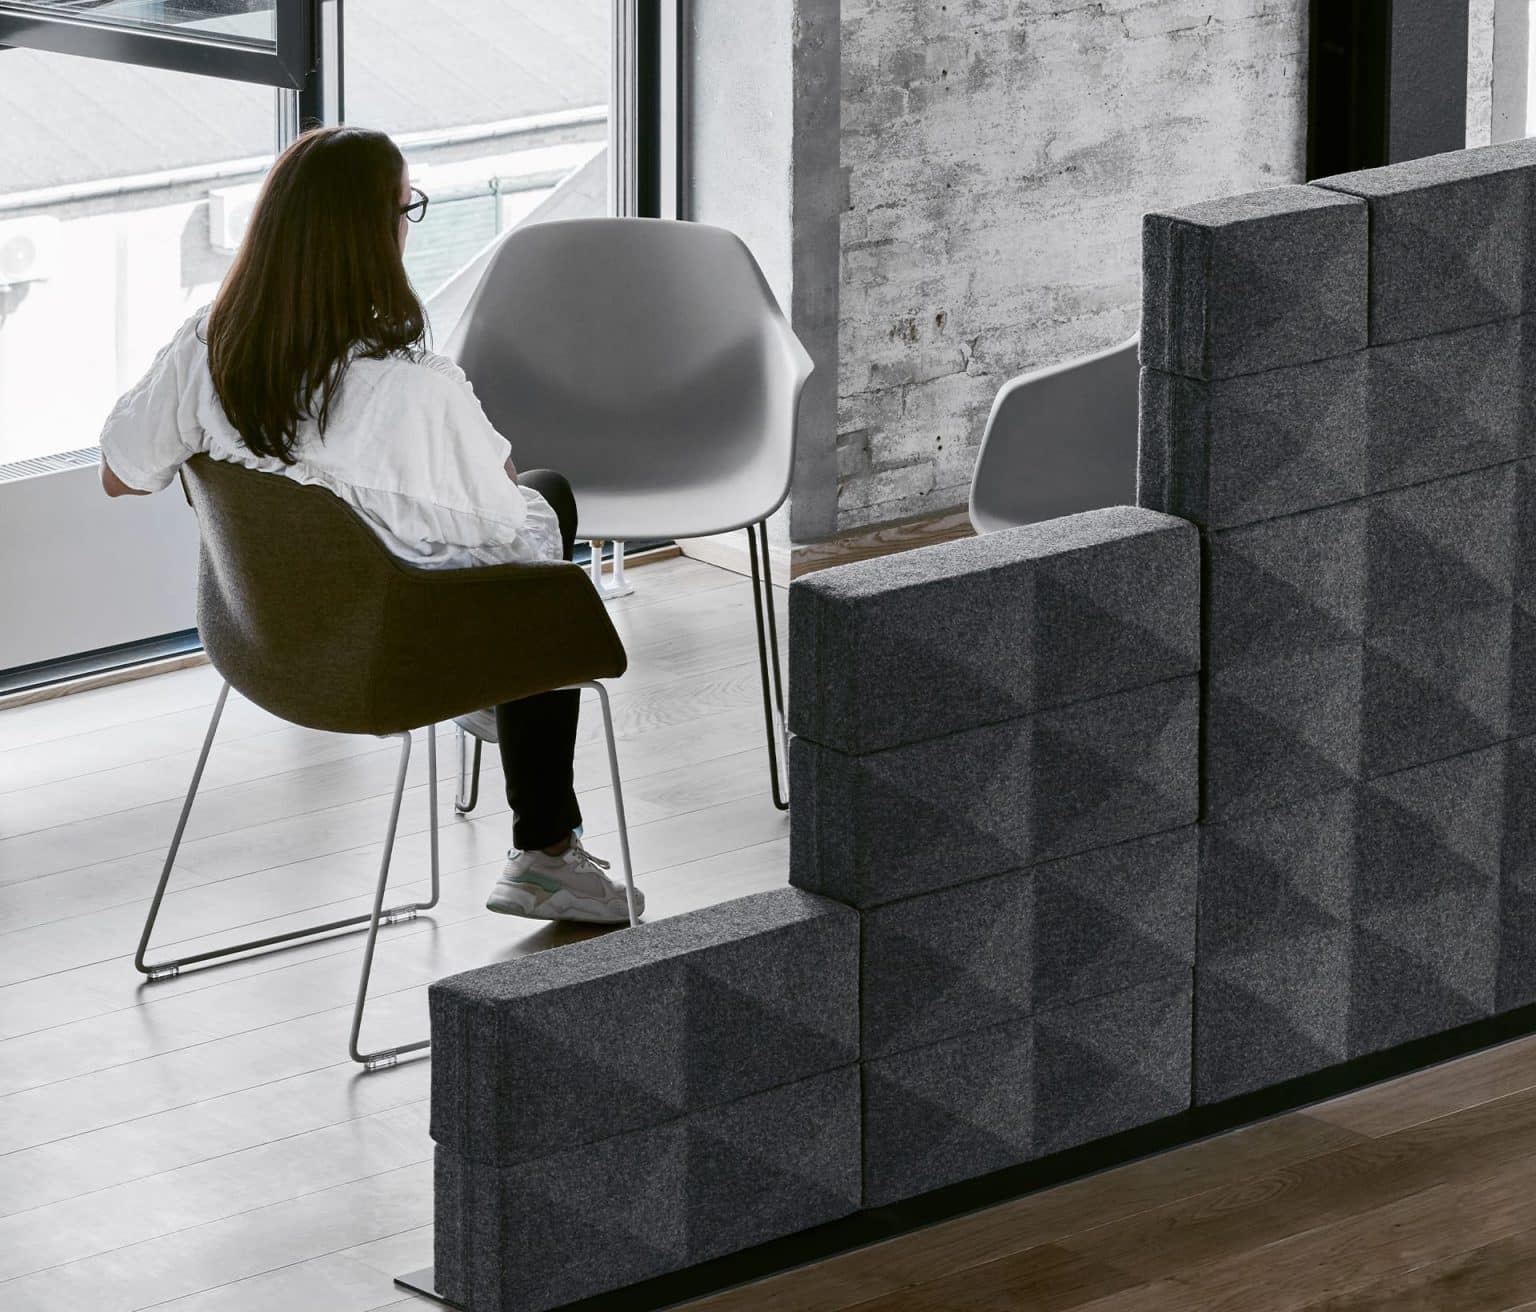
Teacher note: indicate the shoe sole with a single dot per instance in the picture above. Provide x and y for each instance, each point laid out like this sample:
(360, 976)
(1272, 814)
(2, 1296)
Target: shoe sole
(561, 906)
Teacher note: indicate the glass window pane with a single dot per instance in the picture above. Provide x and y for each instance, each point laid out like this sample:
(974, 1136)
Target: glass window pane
(501, 107)
(120, 206)
(247, 20)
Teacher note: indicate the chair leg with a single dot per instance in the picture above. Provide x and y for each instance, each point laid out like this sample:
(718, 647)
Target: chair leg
(167, 969)
(467, 796)
(379, 1058)
(774, 723)
(618, 798)
(616, 585)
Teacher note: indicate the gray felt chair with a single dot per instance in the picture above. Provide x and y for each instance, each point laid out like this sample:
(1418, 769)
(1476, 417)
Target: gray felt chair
(307, 615)
(1059, 441)
(648, 362)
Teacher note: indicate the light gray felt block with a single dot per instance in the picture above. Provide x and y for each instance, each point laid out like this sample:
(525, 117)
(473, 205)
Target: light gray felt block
(1002, 1096)
(1253, 282)
(1238, 450)
(639, 1026)
(870, 829)
(1449, 239)
(582, 1221)
(974, 632)
(995, 950)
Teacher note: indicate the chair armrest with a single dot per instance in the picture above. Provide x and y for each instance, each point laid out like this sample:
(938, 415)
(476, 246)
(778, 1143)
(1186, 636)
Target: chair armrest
(454, 641)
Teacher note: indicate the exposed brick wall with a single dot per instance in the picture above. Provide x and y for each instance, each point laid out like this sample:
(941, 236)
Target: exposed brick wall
(999, 155)
(1480, 72)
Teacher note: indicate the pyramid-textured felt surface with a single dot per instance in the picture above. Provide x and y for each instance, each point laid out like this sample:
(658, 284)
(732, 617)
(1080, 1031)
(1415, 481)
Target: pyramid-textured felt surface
(1253, 282)
(595, 1217)
(933, 814)
(997, 1097)
(982, 630)
(998, 949)
(641, 1026)
(1361, 639)
(1363, 918)
(1243, 449)
(1449, 239)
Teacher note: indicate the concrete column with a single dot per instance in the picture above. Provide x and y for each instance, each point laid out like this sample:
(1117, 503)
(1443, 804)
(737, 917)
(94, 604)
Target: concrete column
(763, 160)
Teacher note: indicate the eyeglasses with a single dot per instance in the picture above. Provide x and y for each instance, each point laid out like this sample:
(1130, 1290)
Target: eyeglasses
(416, 211)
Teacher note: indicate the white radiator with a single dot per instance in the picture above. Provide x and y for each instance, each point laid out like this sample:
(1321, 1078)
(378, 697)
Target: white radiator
(80, 571)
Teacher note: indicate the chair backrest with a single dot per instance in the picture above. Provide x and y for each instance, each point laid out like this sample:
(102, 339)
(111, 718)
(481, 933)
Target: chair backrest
(308, 615)
(635, 356)
(1059, 441)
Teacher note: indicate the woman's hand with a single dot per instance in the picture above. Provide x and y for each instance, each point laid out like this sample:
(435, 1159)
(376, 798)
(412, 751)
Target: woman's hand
(115, 487)
(511, 469)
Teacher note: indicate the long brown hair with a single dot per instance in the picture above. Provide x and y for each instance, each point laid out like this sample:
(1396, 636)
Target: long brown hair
(318, 280)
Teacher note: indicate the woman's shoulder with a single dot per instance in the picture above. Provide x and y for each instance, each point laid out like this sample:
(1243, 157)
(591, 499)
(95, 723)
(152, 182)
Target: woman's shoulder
(426, 369)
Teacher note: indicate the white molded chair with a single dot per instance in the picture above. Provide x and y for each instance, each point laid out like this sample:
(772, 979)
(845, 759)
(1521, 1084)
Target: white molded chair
(1058, 441)
(648, 362)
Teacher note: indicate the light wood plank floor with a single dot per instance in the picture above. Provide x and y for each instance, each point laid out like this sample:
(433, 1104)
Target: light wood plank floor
(201, 1145)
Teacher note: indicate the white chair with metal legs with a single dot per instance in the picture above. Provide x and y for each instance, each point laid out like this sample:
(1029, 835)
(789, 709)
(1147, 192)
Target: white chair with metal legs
(353, 648)
(1058, 441)
(648, 362)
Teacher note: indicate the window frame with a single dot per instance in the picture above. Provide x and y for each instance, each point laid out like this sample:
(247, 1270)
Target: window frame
(285, 63)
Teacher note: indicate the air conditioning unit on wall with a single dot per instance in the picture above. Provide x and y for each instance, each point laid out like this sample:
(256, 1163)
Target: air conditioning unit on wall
(229, 212)
(29, 250)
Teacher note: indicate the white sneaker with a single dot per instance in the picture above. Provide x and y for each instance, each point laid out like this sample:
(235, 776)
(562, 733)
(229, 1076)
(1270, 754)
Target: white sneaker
(570, 886)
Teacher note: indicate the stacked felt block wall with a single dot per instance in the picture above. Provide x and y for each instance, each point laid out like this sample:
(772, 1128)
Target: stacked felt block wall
(1338, 390)
(995, 762)
(636, 1104)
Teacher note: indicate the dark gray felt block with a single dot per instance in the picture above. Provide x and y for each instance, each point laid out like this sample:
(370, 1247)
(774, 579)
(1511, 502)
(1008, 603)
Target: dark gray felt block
(870, 829)
(538, 1234)
(639, 1026)
(995, 950)
(1112, 1063)
(1355, 921)
(1449, 404)
(1517, 884)
(1449, 246)
(1253, 282)
(1115, 917)
(1238, 450)
(929, 642)
(1363, 638)
(1278, 728)
(997, 1097)
(1439, 617)
(947, 1112)
(1273, 962)
(1425, 912)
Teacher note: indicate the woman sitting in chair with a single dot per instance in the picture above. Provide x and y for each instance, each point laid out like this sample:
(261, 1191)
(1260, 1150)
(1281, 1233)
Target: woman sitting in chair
(310, 363)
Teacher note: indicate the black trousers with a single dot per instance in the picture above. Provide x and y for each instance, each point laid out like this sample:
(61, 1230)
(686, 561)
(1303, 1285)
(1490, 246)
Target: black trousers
(538, 734)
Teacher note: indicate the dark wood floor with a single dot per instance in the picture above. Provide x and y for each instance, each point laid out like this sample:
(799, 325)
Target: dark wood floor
(1414, 1195)
(203, 1145)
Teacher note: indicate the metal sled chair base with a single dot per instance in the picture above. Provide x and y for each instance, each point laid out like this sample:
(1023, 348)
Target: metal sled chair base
(379, 1058)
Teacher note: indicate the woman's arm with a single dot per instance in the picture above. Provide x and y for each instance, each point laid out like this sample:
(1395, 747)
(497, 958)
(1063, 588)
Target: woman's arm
(114, 486)
(511, 469)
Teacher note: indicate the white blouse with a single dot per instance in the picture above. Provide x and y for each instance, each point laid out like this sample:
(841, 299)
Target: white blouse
(407, 446)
